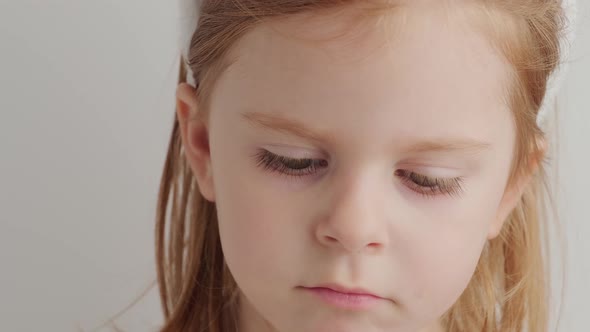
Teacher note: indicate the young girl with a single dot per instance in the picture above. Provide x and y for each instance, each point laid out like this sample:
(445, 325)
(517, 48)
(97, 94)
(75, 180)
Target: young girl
(340, 166)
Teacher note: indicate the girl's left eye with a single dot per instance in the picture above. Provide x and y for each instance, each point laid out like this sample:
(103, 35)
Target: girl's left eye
(289, 166)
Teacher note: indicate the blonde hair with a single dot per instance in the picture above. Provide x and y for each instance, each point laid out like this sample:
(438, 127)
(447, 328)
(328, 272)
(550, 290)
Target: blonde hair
(509, 289)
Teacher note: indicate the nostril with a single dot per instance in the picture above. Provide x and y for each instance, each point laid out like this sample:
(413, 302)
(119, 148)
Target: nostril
(330, 239)
(375, 246)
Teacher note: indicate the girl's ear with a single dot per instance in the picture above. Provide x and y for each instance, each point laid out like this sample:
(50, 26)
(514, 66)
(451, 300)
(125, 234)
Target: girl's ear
(195, 138)
(514, 191)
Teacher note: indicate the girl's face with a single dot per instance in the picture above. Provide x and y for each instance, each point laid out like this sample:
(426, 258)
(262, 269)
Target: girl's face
(374, 161)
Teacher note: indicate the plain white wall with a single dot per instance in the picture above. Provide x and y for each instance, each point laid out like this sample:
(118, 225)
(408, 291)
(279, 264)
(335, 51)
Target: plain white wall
(86, 107)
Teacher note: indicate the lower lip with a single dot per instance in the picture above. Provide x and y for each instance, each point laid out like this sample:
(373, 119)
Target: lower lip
(345, 300)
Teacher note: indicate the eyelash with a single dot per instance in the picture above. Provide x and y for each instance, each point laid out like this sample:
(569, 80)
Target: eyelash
(288, 166)
(421, 184)
(430, 187)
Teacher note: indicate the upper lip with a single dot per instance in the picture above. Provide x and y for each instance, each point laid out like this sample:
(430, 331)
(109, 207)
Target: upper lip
(346, 290)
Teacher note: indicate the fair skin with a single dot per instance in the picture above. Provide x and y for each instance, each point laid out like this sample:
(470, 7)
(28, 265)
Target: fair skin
(357, 218)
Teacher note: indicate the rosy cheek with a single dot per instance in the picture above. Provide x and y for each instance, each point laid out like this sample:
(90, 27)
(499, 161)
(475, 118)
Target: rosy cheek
(249, 226)
(440, 264)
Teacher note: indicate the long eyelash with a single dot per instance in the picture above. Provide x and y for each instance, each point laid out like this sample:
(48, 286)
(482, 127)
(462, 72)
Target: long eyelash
(287, 166)
(430, 187)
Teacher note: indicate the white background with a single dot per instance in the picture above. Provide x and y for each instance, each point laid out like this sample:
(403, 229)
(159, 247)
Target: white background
(86, 107)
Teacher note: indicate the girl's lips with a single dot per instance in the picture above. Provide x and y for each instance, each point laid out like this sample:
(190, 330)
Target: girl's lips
(345, 298)
(346, 290)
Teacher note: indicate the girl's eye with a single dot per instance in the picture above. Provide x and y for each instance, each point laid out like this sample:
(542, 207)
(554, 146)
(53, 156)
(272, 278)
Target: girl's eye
(430, 187)
(289, 166)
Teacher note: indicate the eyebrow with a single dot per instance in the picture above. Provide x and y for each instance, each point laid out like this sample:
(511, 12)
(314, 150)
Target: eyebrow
(293, 127)
(281, 124)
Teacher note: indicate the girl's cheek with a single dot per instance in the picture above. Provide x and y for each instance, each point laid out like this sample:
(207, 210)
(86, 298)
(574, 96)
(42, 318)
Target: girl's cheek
(249, 215)
(441, 251)
(440, 271)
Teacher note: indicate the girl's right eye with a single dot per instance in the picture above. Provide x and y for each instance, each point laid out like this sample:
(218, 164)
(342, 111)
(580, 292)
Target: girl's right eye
(289, 166)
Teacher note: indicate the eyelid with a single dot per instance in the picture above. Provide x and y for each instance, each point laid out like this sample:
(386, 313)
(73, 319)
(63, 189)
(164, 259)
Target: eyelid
(436, 172)
(277, 163)
(439, 166)
(441, 186)
(291, 152)
(446, 164)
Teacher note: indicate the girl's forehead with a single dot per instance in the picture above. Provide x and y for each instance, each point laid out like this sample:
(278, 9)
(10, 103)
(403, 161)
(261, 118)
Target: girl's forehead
(440, 43)
(427, 70)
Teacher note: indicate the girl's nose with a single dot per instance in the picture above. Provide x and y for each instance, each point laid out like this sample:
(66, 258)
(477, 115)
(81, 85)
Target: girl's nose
(355, 221)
